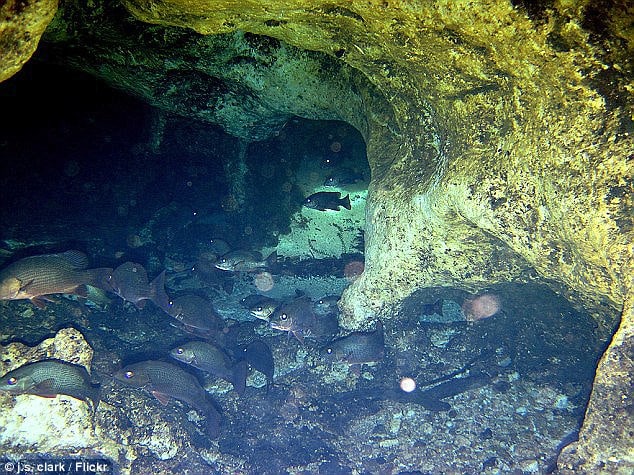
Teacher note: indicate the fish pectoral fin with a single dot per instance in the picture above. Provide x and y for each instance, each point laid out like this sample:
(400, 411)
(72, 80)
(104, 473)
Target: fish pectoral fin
(162, 398)
(80, 290)
(299, 336)
(356, 369)
(24, 285)
(39, 302)
(45, 388)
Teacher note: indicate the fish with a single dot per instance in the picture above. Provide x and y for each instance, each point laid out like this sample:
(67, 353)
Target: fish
(327, 305)
(298, 318)
(130, 282)
(264, 308)
(214, 360)
(343, 176)
(196, 314)
(357, 348)
(433, 308)
(35, 277)
(258, 354)
(165, 381)
(324, 200)
(245, 261)
(50, 377)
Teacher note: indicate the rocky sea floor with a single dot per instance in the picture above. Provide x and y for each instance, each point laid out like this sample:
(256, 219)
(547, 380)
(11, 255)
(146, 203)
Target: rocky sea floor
(499, 395)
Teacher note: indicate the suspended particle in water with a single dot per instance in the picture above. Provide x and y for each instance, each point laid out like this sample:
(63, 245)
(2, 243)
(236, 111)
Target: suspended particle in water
(408, 384)
(264, 281)
(481, 306)
(353, 270)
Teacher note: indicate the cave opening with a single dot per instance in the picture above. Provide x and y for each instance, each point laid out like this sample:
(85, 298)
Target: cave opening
(91, 163)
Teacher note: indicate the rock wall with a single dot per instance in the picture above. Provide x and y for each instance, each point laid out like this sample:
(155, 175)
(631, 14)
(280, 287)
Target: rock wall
(22, 23)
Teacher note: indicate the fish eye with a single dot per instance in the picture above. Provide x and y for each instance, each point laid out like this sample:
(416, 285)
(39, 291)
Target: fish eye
(129, 374)
(283, 316)
(329, 351)
(259, 308)
(12, 381)
(180, 351)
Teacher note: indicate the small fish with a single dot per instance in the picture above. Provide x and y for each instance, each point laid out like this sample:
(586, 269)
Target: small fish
(298, 318)
(165, 381)
(264, 308)
(130, 282)
(214, 360)
(432, 308)
(35, 277)
(343, 176)
(327, 305)
(357, 348)
(245, 261)
(260, 357)
(48, 378)
(324, 200)
(196, 314)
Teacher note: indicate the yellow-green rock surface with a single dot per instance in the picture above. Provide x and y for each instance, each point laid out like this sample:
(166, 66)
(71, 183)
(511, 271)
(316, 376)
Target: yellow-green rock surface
(22, 23)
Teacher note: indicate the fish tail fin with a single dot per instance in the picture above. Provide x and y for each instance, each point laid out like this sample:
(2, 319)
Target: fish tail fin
(100, 278)
(239, 377)
(272, 259)
(345, 201)
(214, 420)
(157, 292)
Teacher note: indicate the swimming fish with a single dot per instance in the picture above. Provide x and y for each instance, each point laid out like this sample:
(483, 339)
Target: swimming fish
(130, 282)
(343, 176)
(327, 305)
(196, 314)
(245, 261)
(214, 360)
(260, 357)
(324, 200)
(264, 308)
(297, 317)
(165, 381)
(35, 277)
(357, 348)
(48, 378)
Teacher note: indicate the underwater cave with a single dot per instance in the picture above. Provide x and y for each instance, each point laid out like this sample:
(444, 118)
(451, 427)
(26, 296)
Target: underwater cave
(398, 237)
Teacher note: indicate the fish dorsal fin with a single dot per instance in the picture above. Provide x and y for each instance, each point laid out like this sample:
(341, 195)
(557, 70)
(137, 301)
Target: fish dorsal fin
(162, 398)
(77, 259)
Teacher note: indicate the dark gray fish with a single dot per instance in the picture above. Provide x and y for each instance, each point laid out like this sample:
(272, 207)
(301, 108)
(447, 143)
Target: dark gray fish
(245, 261)
(324, 200)
(165, 381)
(130, 282)
(260, 357)
(357, 348)
(343, 176)
(327, 305)
(214, 360)
(35, 277)
(297, 317)
(49, 378)
(196, 314)
(264, 308)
